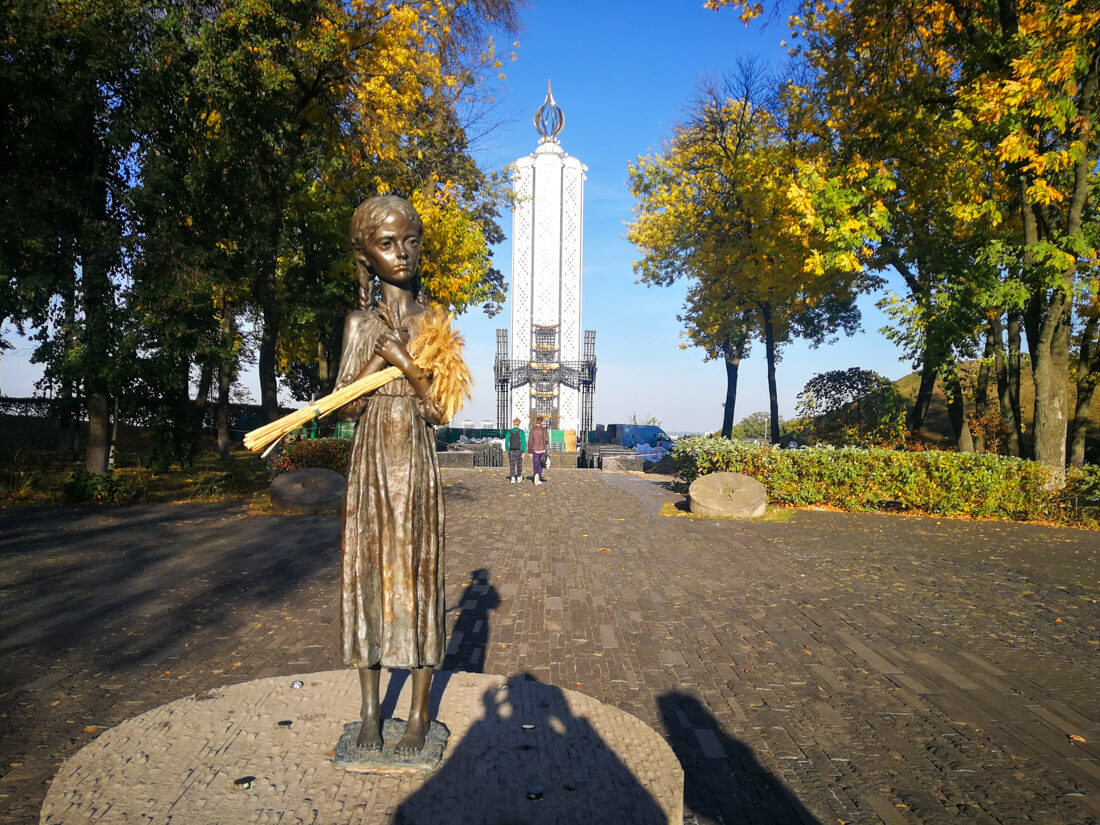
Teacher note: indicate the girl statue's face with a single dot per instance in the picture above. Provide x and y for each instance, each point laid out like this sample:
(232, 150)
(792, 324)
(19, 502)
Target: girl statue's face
(392, 250)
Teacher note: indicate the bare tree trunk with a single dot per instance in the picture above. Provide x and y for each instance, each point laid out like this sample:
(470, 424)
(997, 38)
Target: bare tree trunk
(269, 339)
(95, 282)
(1000, 365)
(773, 393)
(323, 363)
(981, 394)
(1050, 359)
(225, 381)
(956, 411)
(733, 350)
(99, 431)
(114, 432)
(1079, 439)
(1086, 386)
(924, 394)
(1015, 369)
(202, 395)
(68, 418)
(65, 401)
(930, 365)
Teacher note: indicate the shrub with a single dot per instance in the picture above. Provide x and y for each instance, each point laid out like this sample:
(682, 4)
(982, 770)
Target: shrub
(930, 482)
(1081, 495)
(327, 453)
(101, 488)
(853, 406)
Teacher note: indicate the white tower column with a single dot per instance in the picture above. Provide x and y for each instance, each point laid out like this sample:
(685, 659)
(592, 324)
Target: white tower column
(547, 238)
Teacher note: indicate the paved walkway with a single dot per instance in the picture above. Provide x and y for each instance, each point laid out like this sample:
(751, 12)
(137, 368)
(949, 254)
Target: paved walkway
(835, 667)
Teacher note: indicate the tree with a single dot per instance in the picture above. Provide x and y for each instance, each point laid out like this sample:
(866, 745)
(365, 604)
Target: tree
(853, 406)
(1017, 81)
(178, 180)
(756, 426)
(68, 72)
(743, 205)
(310, 107)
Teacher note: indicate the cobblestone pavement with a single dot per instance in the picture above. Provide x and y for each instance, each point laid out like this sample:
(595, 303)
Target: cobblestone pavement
(830, 668)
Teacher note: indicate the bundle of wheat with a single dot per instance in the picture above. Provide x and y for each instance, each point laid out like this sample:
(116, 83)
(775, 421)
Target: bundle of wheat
(437, 350)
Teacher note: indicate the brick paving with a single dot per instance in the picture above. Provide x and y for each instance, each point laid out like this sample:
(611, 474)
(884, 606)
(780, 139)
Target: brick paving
(830, 668)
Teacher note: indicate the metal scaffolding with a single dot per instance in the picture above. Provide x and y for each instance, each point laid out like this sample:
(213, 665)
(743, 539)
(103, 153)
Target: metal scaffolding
(544, 373)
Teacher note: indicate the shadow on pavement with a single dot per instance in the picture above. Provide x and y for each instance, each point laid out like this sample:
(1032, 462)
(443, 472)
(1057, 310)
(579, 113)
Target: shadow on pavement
(469, 639)
(558, 769)
(127, 583)
(723, 780)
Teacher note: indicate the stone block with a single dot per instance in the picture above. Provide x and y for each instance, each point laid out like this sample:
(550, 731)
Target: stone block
(456, 458)
(309, 490)
(626, 461)
(727, 495)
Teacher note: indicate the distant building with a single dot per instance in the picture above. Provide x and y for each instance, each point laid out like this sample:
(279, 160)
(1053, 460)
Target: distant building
(549, 369)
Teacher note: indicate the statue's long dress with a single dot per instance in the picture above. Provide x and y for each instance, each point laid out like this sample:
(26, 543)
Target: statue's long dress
(391, 579)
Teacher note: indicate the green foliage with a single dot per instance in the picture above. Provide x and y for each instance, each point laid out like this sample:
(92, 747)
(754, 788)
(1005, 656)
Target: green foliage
(940, 483)
(852, 407)
(326, 453)
(754, 426)
(1081, 494)
(99, 488)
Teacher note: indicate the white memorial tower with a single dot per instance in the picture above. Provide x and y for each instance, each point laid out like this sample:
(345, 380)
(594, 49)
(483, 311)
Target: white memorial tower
(550, 370)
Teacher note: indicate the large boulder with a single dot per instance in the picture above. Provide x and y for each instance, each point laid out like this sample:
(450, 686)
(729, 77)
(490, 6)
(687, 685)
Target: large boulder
(309, 490)
(727, 495)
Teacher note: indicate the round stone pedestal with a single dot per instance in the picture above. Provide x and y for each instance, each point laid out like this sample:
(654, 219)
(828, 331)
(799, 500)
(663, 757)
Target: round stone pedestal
(727, 495)
(262, 751)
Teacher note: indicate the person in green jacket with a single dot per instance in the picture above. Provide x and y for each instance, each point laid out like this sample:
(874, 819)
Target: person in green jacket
(515, 441)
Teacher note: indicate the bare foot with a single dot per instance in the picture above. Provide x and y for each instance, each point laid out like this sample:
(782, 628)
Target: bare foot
(413, 741)
(370, 735)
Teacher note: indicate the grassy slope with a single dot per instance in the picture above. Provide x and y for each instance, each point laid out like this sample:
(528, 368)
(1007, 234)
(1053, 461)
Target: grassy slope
(937, 427)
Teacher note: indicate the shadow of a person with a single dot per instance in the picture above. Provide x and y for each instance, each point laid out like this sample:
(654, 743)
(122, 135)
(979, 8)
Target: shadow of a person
(529, 760)
(723, 780)
(470, 638)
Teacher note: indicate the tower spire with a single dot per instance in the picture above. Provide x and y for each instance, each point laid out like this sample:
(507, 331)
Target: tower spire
(549, 119)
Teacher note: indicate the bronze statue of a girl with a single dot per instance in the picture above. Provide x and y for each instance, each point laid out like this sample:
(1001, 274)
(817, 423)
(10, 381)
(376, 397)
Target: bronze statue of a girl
(391, 581)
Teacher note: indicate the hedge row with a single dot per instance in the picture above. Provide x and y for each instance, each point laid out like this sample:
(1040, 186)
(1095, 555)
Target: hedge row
(929, 482)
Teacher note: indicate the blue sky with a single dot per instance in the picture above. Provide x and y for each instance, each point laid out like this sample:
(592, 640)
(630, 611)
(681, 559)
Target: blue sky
(624, 74)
